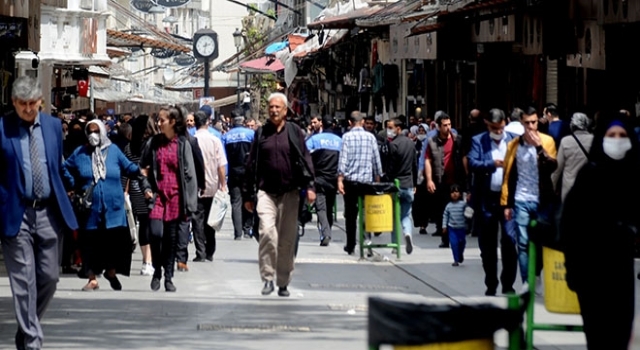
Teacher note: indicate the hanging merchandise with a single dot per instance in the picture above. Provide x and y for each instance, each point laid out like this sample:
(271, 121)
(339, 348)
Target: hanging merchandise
(83, 88)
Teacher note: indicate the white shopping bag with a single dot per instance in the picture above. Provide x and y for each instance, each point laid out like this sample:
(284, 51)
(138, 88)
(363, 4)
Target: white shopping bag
(130, 219)
(218, 210)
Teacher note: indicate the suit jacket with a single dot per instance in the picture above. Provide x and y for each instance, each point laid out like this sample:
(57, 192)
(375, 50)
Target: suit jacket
(482, 166)
(12, 188)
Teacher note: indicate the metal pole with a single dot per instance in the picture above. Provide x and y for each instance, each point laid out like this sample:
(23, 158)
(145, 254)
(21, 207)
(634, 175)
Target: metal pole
(206, 79)
(238, 76)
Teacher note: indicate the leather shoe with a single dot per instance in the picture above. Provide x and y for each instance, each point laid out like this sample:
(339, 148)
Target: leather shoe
(268, 288)
(155, 284)
(199, 259)
(283, 292)
(169, 287)
(209, 258)
(348, 251)
(114, 282)
(182, 267)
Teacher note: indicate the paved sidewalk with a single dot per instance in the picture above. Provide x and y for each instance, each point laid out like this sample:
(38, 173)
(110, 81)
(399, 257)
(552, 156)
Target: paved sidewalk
(218, 305)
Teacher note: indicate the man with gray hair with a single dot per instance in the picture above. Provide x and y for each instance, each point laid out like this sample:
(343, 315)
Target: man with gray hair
(34, 207)
(573, 153)
(279, 166)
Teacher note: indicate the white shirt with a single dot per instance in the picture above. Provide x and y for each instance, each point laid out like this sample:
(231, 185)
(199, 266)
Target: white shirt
(498, 152)
(515, 127)
(214, 157)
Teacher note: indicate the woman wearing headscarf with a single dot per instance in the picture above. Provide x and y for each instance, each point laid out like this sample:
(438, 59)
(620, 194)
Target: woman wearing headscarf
(104, 235)
(170, 162)
(142, 129)
(598, 225)
(420, 201)
(572, 153)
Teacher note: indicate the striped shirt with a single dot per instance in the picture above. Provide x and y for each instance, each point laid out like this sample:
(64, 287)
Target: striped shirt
(359, 158)
(454, 215)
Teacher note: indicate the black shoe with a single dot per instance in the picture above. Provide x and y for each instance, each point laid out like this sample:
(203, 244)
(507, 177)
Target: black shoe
(209, 257)
(169, 287)
(348, 251)
(199, 259)
(377, 234)
(155, 284)
(325, 241)
(237, 238)
(268, 288)
(114, 282)
(490, 292)
(423, 231)
(246, 235)
(19, 340)
(443, 245)
(461, 259)
(509, 290)
(283, 292)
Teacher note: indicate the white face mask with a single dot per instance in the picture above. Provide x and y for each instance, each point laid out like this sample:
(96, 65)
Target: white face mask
(616, 147)
(391, 133)
(496, 137)
(421, 137)
(94, 139)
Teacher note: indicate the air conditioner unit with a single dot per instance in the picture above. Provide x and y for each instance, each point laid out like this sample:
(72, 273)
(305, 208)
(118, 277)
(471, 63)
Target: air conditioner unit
(86, 4)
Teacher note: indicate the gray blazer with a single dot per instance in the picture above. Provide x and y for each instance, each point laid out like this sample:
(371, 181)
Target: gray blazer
(571, 159)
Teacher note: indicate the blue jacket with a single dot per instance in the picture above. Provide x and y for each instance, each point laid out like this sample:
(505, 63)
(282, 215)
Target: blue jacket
(108, 196)
(237, 145)
(12, 189)
(481, 166)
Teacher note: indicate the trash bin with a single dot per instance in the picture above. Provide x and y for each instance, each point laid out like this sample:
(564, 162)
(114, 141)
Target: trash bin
(557, 295)
(406, 325)
(378, 213)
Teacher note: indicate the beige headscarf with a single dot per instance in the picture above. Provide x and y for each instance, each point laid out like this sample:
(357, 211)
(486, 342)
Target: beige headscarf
(98, 157)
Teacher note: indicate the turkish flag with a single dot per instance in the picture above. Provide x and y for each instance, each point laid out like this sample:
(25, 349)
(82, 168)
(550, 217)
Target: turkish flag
(83, 88)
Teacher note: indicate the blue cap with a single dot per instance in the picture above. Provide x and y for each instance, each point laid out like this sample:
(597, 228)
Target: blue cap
(207, 110)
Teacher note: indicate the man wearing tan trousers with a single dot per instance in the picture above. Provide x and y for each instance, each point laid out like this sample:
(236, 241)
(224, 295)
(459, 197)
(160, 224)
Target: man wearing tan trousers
(279, 167)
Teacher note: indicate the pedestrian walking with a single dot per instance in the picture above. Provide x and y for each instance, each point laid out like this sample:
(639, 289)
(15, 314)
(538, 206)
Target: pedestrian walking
(34, 207)
(454, 224)
(279, 166)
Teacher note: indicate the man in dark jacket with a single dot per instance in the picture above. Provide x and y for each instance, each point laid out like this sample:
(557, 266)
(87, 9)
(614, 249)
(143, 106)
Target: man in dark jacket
(237, 143)
(403, 166)
(325, 149)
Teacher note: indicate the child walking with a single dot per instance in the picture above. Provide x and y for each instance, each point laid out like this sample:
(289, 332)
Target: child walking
(454, 224)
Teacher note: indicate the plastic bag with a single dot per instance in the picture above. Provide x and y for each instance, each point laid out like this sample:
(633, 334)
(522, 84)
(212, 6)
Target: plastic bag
(218, 210)
(130, 219)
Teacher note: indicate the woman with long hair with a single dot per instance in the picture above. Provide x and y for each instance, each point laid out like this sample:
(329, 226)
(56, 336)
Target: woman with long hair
(169, 163)
(142, 129)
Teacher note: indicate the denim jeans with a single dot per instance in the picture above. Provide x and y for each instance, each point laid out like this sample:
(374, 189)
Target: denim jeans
(458, 239)
(405, 196)
(522, 213)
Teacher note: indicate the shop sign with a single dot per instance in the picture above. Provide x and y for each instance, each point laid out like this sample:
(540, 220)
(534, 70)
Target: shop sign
(13, 31)
(172, 3)
(142, 5)
(163, 53)
(184, 60)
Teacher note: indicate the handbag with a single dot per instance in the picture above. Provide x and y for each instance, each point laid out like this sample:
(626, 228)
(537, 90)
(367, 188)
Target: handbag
(218, 210)
(84, 200)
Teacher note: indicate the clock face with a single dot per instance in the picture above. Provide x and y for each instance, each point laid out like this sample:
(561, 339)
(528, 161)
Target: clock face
(205, 45)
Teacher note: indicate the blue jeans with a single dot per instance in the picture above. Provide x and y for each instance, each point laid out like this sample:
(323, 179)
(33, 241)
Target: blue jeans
(522, 214)
(405, 196)
(458, 241)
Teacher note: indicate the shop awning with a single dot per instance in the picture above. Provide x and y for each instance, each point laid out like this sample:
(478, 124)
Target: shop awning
(391, 14)
(344, 21)
(121, 39)
(266, 64)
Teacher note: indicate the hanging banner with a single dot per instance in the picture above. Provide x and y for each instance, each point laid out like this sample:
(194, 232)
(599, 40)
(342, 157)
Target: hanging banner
(163, 53)
(172, 3)
(184, 60)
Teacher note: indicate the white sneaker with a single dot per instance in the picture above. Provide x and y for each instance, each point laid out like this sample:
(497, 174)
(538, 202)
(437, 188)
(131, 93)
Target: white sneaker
(367, 243)
(538, 286)
(525, 288)
(147, 269)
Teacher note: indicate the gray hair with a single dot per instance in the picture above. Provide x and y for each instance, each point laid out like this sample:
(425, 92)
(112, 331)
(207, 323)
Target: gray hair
(280, 96)
(579, 121)
(26, 88)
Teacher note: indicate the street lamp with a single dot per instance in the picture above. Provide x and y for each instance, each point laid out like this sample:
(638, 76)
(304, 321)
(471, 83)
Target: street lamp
(237, 40)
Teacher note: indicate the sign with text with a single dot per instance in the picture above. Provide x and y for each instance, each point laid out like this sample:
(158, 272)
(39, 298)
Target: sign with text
(172, 3)
(142, 5)
(163, 53)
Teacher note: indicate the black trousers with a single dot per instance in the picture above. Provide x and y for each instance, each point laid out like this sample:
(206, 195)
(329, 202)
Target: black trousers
(106, 249)
(607, 325)
(242, 219)
(440, 198)
(420, 207)
(182, 239)
(350, 198)
(489, 219)
(164, 240)
(204, 236)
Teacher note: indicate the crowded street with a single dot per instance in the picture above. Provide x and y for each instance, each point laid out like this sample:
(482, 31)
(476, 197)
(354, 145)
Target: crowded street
(219, 305)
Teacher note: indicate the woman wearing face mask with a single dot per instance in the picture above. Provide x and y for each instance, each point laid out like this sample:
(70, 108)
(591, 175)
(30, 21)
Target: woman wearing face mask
(598, 225)
(104, 236)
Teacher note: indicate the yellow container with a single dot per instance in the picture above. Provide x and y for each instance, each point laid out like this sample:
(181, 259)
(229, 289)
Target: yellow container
(557, 295)
(378, 213)
(480, 344)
